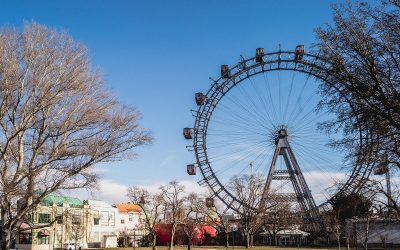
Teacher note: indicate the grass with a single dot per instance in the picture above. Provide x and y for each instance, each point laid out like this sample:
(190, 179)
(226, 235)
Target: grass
(222, 248)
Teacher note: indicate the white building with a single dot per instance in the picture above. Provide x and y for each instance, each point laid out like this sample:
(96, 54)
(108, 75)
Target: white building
(103, 221)
(129, 219)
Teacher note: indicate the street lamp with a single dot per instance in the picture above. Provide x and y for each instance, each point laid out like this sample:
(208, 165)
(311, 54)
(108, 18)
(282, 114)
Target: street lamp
(233, 230)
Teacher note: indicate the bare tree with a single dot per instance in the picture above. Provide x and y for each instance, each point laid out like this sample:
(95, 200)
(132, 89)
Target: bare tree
(361, 68)
(218, 218)
(281, 216)
(173, 195)
(348, 206)
(77, 233)
(388, 200)
(152, 205)
(334, 225)
(194, 207)
(248, 190)
(57, 120)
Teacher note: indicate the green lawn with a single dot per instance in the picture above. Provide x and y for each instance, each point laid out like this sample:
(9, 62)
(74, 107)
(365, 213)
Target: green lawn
(219, 248)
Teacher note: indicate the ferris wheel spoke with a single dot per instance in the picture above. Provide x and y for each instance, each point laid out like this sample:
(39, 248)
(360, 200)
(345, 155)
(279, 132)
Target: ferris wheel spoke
(315, 158)
(268, 89)
(259, 116)
(288, 98)
(224, 144)
(279, 86)
(307, 119)
(232, 110)
(233, 154)
(225, 133)
(263, 102)
(242, 159)
(301, 111)
(325, 179)
(256, 160)
(235, 118)
(309, 143)
(223, 136)
(298, 100)
(263, 165)
(247, 115)
(239, 150)
(235, 125)
(243, 122)
(237, 113)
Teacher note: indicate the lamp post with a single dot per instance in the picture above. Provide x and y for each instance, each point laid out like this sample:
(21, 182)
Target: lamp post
(233, 229)
(134, 239)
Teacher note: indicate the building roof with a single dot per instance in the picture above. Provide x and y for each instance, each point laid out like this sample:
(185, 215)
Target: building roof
(51, 199)
(128, 207)
(284, 232)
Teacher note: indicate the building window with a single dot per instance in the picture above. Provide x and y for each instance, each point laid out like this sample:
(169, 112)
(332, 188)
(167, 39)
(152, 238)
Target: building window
(44, 218)
(25, 238)
(130, 219)
(43, 240)
(112, 219)
(59, 219)
(76, 219)
(122, 221)
(31, 217)
(96, 221)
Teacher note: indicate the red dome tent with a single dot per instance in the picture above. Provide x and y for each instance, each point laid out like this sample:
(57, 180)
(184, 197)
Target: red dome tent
(163, 232)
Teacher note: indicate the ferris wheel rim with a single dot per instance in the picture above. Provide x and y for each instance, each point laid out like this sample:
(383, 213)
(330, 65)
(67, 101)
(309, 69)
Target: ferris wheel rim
(246, 69)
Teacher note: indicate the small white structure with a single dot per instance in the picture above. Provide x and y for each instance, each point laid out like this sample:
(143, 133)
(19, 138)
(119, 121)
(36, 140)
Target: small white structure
(285, 237)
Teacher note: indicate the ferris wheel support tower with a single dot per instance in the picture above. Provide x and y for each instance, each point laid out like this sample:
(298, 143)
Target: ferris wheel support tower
(302, 193)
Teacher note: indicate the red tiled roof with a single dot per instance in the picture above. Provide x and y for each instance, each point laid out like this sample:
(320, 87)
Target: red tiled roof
(128, 207)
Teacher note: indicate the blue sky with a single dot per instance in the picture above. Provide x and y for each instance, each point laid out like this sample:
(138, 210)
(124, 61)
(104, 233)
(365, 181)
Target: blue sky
(156, 54)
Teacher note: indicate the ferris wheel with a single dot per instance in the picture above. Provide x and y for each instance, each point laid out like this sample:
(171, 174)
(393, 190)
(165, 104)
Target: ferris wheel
(261, 116)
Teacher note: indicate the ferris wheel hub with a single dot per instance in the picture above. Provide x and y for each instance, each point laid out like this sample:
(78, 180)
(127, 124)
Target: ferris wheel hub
(282, 133)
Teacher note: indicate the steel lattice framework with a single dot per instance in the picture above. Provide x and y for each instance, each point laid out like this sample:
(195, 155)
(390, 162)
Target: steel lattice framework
(308, 64)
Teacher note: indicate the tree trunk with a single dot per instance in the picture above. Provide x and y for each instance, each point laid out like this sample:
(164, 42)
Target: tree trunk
(338, 237)
(189, 243)
(171, 244)
(227, 240)
(247, 240)
(5, 239)
(251, 240)
(154, 241)
(5, 229)
(367, 233)
(348, 244)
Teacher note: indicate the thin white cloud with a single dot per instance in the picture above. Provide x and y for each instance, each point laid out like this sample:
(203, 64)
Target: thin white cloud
(167, 160)
(323, 184)
(107, 190)
(113, 192)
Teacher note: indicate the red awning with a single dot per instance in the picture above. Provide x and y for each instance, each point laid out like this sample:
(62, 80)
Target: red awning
(44, 232)
(24, 226)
